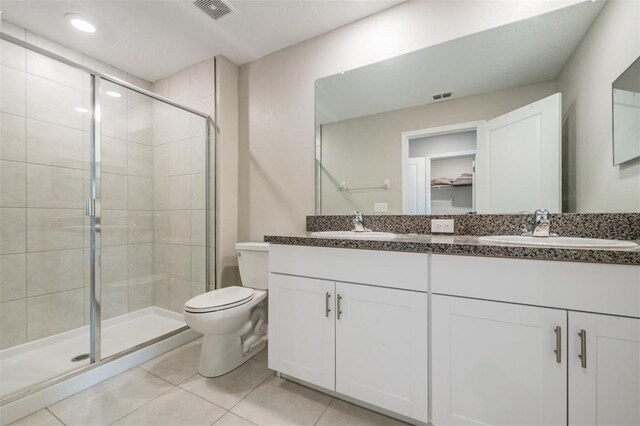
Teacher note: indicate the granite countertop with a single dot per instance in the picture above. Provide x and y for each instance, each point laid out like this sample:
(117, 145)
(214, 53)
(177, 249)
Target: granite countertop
(461, 245)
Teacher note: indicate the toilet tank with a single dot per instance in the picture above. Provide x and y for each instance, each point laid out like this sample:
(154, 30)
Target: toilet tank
(253, 262)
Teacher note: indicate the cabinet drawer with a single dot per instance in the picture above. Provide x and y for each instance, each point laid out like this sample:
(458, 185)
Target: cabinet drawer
(602, 288)
(408, 271)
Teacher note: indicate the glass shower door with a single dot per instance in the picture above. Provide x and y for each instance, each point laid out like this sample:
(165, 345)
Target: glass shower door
(103, 217)
(152, 201)
(44, 252)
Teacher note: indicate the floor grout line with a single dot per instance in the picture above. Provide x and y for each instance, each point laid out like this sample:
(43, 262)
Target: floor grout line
(146, 403)
(252, 391)
(202, 398)
(186, 380)
(56, 417)
(243, 418)
(325, 410)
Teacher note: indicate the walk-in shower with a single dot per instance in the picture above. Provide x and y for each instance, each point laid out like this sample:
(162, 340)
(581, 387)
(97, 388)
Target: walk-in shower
(104, 205)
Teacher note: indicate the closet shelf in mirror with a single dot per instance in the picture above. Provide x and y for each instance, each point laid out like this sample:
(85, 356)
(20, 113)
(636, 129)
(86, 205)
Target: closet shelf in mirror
(451, 186)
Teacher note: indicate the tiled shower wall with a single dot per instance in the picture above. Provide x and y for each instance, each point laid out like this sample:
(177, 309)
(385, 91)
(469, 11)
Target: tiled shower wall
(44, 156)
(42, 186)
(179, 184)
(127, 202)
(153, 226)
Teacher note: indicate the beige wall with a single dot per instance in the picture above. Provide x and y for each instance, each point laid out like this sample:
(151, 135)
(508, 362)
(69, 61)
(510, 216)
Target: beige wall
(276, 103)
(608, 48)
(367, 150)
(226, 89)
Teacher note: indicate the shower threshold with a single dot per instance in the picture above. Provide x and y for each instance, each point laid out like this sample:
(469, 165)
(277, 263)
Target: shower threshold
(25, 365)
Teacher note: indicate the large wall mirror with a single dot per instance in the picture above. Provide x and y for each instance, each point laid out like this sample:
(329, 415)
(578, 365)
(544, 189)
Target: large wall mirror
(626, 115)
(511, 119)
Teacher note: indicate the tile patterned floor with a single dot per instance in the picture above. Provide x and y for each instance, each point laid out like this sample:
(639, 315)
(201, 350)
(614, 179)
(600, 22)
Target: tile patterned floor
(169, 391)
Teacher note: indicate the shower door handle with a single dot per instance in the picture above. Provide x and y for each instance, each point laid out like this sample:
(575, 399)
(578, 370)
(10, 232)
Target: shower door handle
(90, 207)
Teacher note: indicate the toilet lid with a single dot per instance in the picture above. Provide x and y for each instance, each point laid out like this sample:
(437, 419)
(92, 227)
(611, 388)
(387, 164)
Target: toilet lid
(223, 298)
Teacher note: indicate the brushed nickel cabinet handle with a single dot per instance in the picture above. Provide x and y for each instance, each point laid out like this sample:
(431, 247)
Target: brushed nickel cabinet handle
(338, 307)
(327, 309)
(583, 348)
(558, 350)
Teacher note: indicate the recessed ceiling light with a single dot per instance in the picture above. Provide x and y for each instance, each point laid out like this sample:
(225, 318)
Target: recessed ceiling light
(81, 23)
(113, 94)
(80, 109)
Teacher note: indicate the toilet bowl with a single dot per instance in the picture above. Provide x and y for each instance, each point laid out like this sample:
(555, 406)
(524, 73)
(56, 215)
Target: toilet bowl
(232, 320)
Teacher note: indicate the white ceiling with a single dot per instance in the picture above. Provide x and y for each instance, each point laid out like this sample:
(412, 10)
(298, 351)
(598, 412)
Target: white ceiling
(153, 39)
(526, 52)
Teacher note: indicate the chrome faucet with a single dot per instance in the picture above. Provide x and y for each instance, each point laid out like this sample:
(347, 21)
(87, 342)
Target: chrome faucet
(541, 223)
(358, 223)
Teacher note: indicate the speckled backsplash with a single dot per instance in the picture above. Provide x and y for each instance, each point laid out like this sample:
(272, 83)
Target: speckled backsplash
(618, 226)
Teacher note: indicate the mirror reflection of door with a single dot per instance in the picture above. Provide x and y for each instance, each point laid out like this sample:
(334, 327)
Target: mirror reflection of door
(517, 163)
(519, 159)
(416, 178)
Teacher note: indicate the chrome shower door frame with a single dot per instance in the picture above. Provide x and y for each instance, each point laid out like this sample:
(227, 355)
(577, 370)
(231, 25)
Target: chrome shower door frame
(93, 211)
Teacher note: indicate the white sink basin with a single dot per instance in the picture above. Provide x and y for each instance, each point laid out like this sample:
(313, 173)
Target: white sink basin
(560, 242)
(353, 234)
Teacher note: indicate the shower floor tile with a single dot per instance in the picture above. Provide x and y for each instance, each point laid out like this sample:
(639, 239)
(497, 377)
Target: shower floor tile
(34, 362)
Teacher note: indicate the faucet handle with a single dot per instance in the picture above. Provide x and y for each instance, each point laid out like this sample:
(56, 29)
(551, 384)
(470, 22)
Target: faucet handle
(542, 212)
(541, 215)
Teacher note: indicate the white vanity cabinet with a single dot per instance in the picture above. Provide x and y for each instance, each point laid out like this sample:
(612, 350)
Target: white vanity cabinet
(495, 342)
(604, 370)
(498, 363)
(360, 332)
(381, 347)
(301, 318)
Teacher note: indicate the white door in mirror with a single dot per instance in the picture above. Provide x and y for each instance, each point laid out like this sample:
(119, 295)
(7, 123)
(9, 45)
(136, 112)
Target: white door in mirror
(518, 159)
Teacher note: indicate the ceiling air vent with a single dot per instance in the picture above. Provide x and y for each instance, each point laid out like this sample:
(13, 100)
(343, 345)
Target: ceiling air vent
(214, 8)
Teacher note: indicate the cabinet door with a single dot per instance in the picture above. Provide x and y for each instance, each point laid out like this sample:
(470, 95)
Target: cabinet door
(496, 363)
(604, 387)
(302, 329)
(381, 347)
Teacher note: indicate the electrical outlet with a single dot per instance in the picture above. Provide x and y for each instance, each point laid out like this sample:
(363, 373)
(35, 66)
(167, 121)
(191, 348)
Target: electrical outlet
(380, 207)
(444, 226)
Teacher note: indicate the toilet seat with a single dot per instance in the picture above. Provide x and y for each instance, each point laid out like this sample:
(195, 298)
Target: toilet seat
(219, 300)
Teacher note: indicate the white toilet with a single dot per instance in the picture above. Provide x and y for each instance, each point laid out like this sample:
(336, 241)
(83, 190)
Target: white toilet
(232, 319)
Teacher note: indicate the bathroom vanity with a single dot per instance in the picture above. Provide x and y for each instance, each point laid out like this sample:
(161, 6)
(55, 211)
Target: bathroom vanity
(453, 331)
(352, 321)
